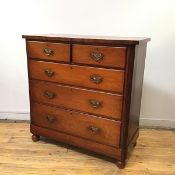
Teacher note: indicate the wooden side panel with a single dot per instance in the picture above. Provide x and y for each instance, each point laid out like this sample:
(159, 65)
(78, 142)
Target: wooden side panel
(136, 93)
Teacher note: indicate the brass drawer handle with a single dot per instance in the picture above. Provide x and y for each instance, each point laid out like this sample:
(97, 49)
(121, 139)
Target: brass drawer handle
(94, 129)
(49, 72)
(49, 52)
(97, 79)
(97, 56)
(50, 119)
(49, 95)
(95, 103)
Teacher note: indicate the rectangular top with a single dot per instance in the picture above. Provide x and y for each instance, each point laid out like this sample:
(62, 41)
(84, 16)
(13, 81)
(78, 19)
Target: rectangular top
(88, 39)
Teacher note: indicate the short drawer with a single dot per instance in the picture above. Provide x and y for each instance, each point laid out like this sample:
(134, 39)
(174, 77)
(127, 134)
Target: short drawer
(95, 78)
(89, 101)
(90, 127)
(100, 55)
(48, 51)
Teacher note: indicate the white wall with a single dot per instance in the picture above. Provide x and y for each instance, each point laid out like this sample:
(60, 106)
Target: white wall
(152, 18)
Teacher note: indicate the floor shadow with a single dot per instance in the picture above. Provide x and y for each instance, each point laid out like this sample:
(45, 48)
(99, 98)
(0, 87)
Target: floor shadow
(77, 149)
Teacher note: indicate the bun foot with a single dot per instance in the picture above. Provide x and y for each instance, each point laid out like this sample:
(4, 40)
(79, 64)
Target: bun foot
(35, 138)
(120, 164)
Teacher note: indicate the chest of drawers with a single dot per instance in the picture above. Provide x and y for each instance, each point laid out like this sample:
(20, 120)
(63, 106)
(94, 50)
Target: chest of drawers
(86, 91)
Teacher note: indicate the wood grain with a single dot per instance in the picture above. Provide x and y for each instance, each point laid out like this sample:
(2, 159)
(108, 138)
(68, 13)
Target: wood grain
(77, 141)
(88, 39)
(60, 52)
(136, 90)
(76, 98)
(113, 80)
(152, 155)
(110, 89)
(112, 56)
(78, 124)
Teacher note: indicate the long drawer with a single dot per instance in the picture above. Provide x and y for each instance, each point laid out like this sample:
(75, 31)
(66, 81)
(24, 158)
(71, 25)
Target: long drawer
(86, 126)
(96, 78)
(89, 101)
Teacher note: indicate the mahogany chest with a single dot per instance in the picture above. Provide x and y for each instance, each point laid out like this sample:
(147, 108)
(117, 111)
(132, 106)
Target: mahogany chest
(86, 91)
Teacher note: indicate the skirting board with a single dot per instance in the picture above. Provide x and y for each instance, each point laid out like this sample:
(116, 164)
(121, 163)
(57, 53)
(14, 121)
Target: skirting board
(14, 116)
(144, 122)
(157, 123)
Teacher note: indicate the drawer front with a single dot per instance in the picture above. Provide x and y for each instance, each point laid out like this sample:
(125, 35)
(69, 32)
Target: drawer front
(86, 126)
(48, 51)
(100, 55)
(90, 101)
(96, 78)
